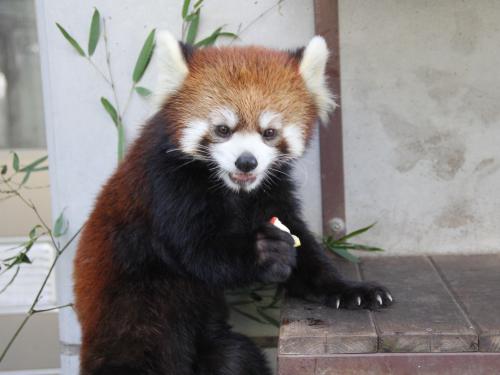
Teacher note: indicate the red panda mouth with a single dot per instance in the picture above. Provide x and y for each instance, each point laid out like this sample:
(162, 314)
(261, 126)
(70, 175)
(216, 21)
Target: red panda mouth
(242, 178)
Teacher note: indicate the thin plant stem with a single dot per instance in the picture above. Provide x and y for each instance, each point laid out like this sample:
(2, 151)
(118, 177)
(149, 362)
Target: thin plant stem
(129, 97)
(38, 187)
(7, 197)
(256, 19)
(59, 252)
(11, 280)
(31, 310)
(52, 308)
(34, 209)
(110, 72)
(101, 73)
(14, 337)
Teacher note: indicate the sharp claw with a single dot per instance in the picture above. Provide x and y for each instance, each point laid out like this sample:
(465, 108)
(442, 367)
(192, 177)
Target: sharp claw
(389, 297)
(337, 303)
(358, 301)
(379, 299)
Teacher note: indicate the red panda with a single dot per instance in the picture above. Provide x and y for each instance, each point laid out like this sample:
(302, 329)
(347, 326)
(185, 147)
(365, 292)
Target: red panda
(186, 214)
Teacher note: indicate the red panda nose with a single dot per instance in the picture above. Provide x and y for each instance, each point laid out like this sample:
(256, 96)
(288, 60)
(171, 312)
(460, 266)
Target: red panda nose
(246, 162)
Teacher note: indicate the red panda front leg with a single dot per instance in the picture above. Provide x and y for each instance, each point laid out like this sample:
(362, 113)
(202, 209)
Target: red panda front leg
(316, 277)
(233, 260)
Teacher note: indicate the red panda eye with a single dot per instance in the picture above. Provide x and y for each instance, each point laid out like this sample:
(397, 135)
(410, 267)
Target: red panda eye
(269, 133)
(223, 131)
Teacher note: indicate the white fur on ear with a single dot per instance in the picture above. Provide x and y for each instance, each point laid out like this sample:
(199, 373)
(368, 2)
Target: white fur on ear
(172, 67)
(312, 69)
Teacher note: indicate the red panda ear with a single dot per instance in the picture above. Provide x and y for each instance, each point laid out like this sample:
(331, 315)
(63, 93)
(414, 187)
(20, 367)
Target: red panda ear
(171, 57)
(297, 53)
(312, 69)
(187, 51)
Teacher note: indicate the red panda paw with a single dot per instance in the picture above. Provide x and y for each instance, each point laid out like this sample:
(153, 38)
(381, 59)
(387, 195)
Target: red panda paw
(275, 253)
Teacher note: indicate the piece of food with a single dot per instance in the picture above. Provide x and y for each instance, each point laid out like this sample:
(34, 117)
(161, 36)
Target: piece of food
(277, 223)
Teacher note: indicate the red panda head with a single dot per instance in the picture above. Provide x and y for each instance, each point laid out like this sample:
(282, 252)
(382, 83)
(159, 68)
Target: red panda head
(244, 109)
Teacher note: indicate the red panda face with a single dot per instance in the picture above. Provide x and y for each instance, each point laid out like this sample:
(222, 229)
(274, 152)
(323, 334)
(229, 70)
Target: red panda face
(244, 110)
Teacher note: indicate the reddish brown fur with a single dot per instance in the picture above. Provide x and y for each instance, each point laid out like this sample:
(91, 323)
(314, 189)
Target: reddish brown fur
(94, 270)
(248, 80)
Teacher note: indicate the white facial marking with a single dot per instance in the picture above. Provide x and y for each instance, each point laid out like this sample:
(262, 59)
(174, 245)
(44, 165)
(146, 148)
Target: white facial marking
(224, 116)
(192, 135)
(295, 139)
(270, 119)
(226, 153)
(172, 67)
(312, 69)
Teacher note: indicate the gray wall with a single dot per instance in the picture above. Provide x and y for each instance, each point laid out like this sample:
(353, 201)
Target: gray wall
(21, 115)
(420, 96)
(35, 348)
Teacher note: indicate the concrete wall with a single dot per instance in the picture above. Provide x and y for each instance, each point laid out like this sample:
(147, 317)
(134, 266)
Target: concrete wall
(80, 137)
(421, 113)
(35, 348)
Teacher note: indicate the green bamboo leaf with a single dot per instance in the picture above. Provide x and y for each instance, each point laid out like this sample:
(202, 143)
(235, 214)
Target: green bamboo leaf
(29, 245)
(15, 161)
(328, 241)
(71, 40)
(60, 226)
(356, 246)
(191, 17)
(228, 34)
(10, 258)
(198, 4)
(121, 141)
(142, 91)
(110, 109)
(40, 169)
(345, 254)
(11, 280)
(193, 28)
(367, 248)
(247, 315)
(20, 258)
(23, 258)
(144, 57)
(355, 233)
(33, 231)
(276, 298)
(95, 32)
(210, 40)
(255, 296)
(240, 303)
(32, 166)
(268, 317)
(26, 177)
(185, 8)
